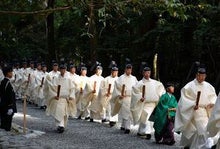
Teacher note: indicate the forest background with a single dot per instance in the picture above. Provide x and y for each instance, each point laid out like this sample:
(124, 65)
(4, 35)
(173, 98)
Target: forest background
(182, 33)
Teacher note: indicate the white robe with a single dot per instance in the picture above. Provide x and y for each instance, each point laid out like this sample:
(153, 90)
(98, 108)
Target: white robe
(141, 111)
(63, 107)
(79, 94)
(192, 123)
(104, 99)
(16, 82)
(40, 80)
(89, 99)
(36, 86)
(75, 79)
(27, 86)
(1, 75)
(53, 74)
(213, 126)
(122, 106)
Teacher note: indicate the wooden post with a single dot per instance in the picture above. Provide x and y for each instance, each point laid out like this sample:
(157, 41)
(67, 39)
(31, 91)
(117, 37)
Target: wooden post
(29, 78)
(24, 113)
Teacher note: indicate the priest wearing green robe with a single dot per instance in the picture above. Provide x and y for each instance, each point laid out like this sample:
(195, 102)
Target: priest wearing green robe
(164, 117)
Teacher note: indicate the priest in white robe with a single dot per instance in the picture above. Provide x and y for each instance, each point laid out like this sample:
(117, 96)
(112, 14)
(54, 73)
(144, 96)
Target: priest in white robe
(121, 98)
(1, 75)
(55, 72)
(60, 100)
(145, 96)
(193, 111)
(39, 89)
(105, 95)
(27, 80)
(91, 92)
(75, 80)
(16, 81)
(37, 83)
(83, 79)
(213, 126)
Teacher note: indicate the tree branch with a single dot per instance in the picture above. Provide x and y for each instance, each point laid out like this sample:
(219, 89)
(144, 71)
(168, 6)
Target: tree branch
(46, 11)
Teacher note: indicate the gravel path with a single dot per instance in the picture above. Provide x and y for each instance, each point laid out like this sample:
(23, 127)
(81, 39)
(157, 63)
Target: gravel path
(81, 134)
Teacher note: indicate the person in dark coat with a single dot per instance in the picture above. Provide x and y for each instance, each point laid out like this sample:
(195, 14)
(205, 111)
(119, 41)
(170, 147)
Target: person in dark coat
(7, 102)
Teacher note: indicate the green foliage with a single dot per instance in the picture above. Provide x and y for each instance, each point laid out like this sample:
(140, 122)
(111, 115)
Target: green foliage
(180, 31)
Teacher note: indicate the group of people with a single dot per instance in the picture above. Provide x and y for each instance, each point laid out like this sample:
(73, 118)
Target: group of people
(147, 102)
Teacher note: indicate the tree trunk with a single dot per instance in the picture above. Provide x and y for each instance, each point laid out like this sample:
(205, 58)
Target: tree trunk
(50, 34)
(92, 30)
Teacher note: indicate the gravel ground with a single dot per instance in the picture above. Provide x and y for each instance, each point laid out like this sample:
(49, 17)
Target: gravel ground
(81, 134)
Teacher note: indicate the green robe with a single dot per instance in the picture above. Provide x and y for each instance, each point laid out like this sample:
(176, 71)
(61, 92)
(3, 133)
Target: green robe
(161, 112)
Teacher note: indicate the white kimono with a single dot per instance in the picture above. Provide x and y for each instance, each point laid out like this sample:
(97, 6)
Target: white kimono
(1, 75)
(106, 87)
(122, 106)
(27, 85)
(53, 74)
(75, 79)
(16, 81)
(213, 126)
(141, 111)
(64, 107)
(32, 85)
(40, 80)
(79, 95)
(89, 98)
(192, 123)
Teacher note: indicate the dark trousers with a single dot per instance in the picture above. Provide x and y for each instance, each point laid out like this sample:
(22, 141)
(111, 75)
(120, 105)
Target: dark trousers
(167, 133)
(6, 121)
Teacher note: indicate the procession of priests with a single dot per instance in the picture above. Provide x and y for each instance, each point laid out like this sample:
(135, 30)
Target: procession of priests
(68, 92)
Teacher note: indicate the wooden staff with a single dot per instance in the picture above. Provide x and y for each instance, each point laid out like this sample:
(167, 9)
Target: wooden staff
(143, 91)
(94, 87)
(29, 77)
(58, 90)
(15, 78)
(123, 90)
(42, 82)
(109, 88)
(81, 89)
(24, 114)
(197, 100)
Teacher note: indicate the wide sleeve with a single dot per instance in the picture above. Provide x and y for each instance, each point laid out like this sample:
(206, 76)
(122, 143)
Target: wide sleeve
(72, 89)
(117, 90)
(184, 112)
(213, 126)
(136, 104)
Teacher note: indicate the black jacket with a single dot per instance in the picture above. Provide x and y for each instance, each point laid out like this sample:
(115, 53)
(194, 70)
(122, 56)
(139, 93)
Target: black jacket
(7, 95)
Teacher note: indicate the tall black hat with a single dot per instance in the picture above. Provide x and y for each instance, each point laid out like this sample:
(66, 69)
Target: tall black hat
(112, 64)
(169, 84)
(6, 70)
(201, 71)
(143, 66)
(146, 69)
(95, 66)
(62, 66)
